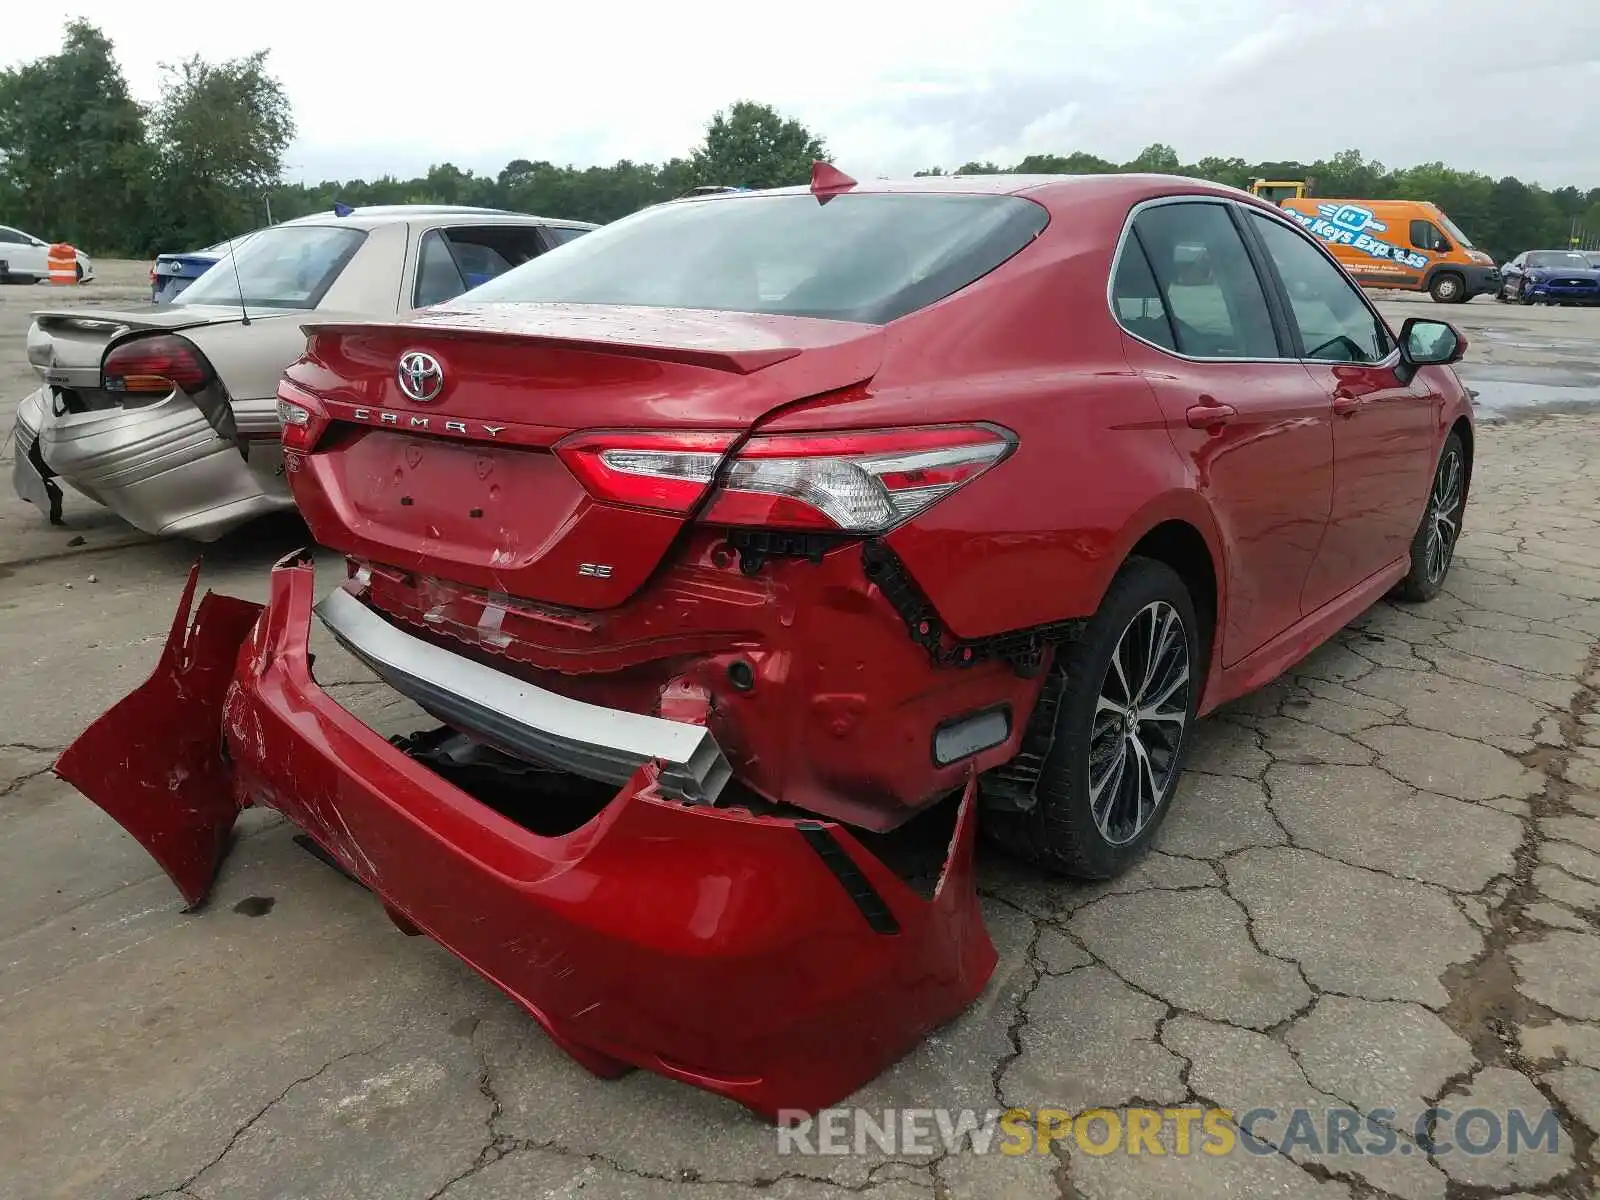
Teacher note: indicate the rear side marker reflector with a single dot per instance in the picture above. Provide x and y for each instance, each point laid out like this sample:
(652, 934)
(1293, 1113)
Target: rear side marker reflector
(856, 482)
(965, 736)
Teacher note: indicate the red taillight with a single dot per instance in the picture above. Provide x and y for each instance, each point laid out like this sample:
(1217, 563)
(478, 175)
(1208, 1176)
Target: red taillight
(302, 416)
(863, 481)
(154, 363)
(665, 471)
(859, 482)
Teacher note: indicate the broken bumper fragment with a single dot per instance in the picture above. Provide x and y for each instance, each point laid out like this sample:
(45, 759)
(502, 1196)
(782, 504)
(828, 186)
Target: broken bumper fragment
(771, 960)
(161, 467)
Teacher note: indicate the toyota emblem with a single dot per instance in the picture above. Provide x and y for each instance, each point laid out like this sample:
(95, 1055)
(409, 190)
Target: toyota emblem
(420, 375)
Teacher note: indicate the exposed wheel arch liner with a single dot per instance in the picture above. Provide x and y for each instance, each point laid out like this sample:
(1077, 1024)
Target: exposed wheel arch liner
(1173, 526)
(1463, 427)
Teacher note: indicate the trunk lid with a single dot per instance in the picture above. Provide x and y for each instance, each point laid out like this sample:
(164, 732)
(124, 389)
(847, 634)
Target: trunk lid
(66, 346)
(467, 485)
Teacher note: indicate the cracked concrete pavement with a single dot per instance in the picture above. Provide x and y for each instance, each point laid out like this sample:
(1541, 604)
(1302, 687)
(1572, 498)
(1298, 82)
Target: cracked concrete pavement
(1379, 890)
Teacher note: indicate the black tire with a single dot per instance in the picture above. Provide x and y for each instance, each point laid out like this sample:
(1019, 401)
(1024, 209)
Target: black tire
(1446, 505)
(1525, 296)
(1448, 288)
(78, 267)
(1060, 832)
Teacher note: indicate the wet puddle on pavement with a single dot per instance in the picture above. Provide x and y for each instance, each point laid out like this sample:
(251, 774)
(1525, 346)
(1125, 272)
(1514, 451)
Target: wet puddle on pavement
(1519, 392)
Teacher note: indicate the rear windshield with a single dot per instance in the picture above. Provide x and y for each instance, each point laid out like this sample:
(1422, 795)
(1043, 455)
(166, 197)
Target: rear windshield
(221, 248)
(289, 266)
(868, 258)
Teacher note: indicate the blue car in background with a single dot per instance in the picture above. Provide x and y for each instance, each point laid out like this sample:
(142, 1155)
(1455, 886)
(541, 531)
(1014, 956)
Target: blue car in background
(172, 273)
(1551, 277)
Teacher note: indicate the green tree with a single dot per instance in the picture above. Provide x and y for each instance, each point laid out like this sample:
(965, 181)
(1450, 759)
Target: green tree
(1234, 172)
(752, 145)
(1349, 174)
(219, 131)
(677, 176)
(74, 162)
(1157, 158)
(1076, 163)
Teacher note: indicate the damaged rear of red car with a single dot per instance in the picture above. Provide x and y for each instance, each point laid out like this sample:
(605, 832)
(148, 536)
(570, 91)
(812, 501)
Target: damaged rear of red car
(687, 523)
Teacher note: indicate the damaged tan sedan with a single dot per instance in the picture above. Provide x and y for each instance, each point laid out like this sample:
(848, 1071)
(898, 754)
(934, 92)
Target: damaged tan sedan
(168, 416)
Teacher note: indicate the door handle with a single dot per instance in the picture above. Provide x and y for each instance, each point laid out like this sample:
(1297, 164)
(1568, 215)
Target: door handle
(1211, 415)
(1345, 404)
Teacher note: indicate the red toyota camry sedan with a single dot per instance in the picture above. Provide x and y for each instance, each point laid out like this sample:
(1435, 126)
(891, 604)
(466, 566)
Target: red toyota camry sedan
(761, 517)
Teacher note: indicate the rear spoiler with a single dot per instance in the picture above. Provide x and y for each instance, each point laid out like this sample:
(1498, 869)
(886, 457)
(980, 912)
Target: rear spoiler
(111, 322)
(88, 322)
(459, 327)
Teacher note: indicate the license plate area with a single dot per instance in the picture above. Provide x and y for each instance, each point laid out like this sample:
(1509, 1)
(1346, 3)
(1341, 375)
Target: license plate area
(488, 502)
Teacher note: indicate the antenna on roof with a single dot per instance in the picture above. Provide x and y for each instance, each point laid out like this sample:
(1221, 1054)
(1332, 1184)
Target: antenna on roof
(233, 260)
(341, 210)
(827, 181)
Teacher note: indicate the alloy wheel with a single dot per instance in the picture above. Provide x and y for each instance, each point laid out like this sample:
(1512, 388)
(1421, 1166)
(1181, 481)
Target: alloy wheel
(1140, 718)
(1444, 516)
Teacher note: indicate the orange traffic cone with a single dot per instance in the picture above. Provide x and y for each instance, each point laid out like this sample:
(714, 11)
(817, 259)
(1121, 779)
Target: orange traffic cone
(63, 264)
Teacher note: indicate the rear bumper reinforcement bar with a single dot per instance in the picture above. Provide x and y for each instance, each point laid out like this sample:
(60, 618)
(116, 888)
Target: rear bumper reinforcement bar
(604, 744)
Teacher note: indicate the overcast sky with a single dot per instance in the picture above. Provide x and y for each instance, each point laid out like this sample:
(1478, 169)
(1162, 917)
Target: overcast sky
(1501, 86)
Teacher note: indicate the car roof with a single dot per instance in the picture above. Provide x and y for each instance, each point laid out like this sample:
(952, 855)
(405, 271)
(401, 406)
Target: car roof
(1054, 187)
(373, 216)
(378, 215)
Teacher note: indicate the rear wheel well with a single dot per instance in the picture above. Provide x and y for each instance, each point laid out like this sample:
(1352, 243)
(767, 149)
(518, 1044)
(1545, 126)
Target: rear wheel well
(1463, 429)
(1180, 546)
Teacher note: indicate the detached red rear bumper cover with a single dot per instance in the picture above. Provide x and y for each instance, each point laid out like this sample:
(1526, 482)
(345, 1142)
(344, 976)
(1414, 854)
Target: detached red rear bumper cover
(707, 944)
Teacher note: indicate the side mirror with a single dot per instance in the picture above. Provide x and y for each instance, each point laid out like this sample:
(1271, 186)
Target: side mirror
(1425, 343)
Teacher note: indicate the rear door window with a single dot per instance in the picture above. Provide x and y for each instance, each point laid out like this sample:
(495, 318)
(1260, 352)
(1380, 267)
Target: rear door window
(1137, 300)
(453, 261)
(1207, 283)
(438, 277)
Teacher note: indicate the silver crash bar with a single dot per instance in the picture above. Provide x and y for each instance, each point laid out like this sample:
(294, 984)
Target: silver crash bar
(526, 721)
